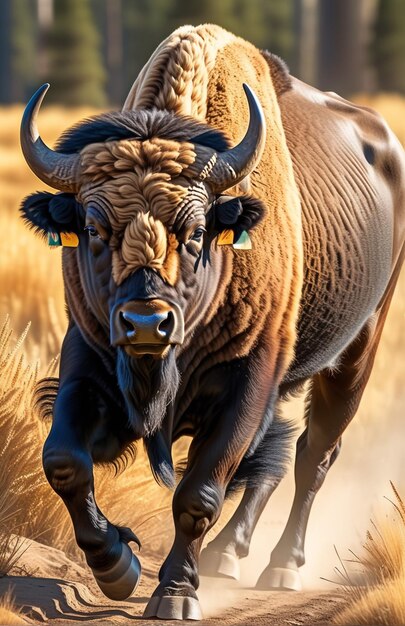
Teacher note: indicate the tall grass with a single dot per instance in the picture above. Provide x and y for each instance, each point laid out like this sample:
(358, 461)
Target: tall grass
(31, 286)
(381, 597)
(25, 493)
(9, 614)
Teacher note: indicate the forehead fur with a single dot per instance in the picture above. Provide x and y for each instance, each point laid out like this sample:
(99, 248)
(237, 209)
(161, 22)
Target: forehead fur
(135, 176)
(141, 125)
(132, 181)
(139, 166)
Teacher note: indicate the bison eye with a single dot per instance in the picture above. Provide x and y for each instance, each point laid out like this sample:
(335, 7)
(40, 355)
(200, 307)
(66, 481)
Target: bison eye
(198, 234)
(92, 230)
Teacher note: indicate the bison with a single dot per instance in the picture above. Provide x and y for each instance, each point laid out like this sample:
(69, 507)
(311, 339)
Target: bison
(232, 245)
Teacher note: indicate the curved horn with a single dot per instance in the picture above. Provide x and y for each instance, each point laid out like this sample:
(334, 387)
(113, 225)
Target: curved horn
(53, 168)
(233, 165)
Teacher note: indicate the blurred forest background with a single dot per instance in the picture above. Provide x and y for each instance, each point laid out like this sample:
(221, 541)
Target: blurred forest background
(92, 50)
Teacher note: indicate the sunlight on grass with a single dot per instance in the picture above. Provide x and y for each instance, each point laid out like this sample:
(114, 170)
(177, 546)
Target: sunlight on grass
(379, 595)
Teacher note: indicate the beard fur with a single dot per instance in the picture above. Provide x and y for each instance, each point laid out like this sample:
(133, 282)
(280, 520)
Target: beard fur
(149, 386)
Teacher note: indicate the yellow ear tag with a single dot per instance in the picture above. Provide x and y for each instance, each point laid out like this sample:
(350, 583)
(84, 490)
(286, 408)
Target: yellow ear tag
(244, 242)
(225, 238)
(71, 240)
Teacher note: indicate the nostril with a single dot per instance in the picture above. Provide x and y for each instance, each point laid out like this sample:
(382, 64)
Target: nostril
(166, 325)
(126, 323)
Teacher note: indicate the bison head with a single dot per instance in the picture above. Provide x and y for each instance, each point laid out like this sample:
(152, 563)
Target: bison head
(143, 190)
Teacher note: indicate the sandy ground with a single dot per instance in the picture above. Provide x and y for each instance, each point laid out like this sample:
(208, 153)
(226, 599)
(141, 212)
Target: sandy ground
(61, 592)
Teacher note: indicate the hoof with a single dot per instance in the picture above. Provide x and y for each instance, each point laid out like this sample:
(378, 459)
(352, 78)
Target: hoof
(119, 582)
(280, 578)
(173, 607)
(219, 564)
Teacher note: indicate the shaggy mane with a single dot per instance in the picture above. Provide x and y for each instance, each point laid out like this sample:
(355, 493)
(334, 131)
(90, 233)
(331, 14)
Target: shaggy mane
(140, 125)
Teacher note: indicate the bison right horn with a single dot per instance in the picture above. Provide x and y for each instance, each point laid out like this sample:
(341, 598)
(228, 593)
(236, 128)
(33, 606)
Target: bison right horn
(233, 165)
(54, 168)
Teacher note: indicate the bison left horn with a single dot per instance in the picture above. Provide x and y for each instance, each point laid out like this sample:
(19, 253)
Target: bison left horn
(54, 168)
(233, 165)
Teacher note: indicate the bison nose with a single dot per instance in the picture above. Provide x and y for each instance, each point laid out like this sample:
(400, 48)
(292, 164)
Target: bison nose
(146, 326)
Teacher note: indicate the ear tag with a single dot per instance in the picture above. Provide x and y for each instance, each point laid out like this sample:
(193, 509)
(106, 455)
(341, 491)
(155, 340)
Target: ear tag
(244, 242)
(70, 240)
(53, 239)
(225, 237)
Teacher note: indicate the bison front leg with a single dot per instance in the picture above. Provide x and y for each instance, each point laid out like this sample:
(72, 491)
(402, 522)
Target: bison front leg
(68, 465)
(197, 504)
(214, 457)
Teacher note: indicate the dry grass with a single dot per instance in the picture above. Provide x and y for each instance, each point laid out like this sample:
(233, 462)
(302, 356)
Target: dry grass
(25, 493)
(9, 614)
(31, 288)
(382, 606)
(381, 597)
(384, 549)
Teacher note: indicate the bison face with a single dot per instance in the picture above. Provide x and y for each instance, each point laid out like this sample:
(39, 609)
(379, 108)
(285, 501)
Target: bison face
(153, 236)
(146, 223)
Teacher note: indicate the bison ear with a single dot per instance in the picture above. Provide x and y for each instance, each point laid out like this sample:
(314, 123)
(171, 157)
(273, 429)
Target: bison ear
(48, 212)
(238, 213)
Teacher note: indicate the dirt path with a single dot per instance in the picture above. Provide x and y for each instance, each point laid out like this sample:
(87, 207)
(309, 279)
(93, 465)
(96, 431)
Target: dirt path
(62, 593)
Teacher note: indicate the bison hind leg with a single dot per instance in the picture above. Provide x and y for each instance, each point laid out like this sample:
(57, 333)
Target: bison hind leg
(259, 474)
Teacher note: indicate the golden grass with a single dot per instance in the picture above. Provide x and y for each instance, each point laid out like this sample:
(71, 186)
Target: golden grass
(383, 605)
(9, 614)
(32, 288)
(384, 549)
(381, 598)
(25, 493)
